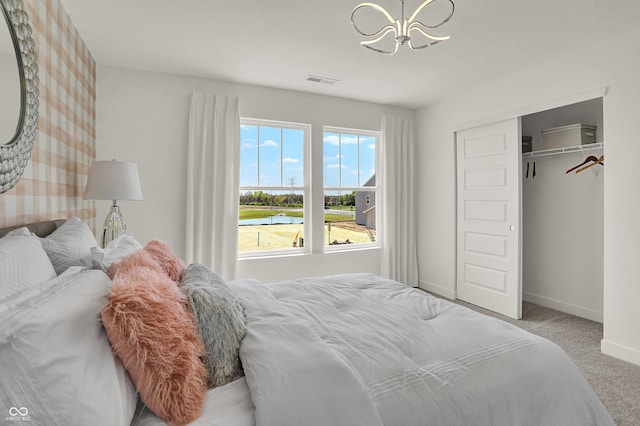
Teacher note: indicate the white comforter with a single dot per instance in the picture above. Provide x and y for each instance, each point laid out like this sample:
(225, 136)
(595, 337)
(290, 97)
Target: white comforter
(362, 350)
(358, 349)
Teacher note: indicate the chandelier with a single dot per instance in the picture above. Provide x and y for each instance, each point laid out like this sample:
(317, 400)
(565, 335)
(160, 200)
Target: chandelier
(402, 28)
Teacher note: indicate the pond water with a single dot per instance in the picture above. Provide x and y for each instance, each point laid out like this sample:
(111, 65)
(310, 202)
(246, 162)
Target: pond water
(272, 220)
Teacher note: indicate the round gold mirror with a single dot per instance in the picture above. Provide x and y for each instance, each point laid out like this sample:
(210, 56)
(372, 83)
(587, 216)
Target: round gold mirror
(19, 91)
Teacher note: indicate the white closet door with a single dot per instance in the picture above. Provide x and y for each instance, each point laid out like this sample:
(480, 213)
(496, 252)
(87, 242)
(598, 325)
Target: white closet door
(489, 271)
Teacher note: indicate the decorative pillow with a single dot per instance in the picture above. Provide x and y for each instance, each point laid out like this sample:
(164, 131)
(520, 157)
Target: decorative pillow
(151, 331)
(137, 259)
(56, 359)
(220, 320)
(23, 263)
(173, 266)
(69, 245)
(115, 251)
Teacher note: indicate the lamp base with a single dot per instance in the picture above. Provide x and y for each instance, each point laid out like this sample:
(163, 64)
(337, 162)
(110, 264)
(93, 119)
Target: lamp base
(114, 225)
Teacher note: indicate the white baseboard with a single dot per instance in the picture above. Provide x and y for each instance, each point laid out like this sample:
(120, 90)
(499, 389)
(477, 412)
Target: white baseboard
(439, 290)
(561, 306)
(622, 352)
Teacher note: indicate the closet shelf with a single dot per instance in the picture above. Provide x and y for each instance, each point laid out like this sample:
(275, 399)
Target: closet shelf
(556, 151)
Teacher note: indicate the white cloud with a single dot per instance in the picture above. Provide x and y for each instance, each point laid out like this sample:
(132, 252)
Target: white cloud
(269, 142)
(332, 139)
(248, 144)
(349, 140)
(332, 158)
(290, 160)
(335, 139)
(371, 146)
(336, 166)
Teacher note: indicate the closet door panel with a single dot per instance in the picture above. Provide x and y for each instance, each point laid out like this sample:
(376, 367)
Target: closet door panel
(488, 223)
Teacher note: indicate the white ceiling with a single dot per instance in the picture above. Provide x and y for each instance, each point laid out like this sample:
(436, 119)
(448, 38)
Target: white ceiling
(277, 43)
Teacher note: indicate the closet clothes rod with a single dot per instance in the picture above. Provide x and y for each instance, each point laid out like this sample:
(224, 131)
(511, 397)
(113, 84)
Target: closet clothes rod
(569, 149)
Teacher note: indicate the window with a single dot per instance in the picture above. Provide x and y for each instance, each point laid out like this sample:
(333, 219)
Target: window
(273, 186)
(275, 189)
(349, 170)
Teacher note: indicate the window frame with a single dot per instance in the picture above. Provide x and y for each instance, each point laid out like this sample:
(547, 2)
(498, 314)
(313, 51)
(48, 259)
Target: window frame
(376, 189)
(305, 188)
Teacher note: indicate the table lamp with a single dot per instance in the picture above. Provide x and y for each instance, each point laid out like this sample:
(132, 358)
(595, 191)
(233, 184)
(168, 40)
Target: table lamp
(113, 180)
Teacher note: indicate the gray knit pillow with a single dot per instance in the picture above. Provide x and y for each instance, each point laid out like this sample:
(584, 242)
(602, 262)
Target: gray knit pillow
(220, 320)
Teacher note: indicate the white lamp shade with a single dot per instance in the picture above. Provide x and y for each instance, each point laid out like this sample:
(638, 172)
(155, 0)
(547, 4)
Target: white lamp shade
(113, 180)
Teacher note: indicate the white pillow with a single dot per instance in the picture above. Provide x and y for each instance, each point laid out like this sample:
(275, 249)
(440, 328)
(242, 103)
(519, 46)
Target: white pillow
(23, 264)
(69, 245)
(115, 251)
(56, 359)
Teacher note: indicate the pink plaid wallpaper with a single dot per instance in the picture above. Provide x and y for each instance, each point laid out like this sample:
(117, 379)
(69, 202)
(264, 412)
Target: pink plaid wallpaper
(53, 183)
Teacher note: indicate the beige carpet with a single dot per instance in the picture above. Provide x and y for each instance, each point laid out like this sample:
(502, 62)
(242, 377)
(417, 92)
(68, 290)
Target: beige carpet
(616, 382)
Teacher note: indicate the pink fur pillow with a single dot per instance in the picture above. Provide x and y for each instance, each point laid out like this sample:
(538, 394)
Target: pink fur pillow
(151, 331)
(134, 260)
(173, 266)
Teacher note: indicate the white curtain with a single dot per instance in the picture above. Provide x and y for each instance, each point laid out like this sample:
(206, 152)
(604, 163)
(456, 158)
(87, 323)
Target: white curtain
(398, 237)
(212, 183)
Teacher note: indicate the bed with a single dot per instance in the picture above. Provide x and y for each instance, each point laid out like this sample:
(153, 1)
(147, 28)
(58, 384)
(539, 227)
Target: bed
(354, 349)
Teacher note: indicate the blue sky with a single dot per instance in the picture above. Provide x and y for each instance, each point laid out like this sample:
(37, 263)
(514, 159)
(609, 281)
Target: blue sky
(278, 152)
(348, 160)
(340, 161)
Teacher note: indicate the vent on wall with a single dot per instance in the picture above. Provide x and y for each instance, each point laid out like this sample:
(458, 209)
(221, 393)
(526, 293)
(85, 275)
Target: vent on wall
(325, 80)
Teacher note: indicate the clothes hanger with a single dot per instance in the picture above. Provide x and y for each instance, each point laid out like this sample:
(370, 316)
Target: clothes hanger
(586, 160)
(598, 161)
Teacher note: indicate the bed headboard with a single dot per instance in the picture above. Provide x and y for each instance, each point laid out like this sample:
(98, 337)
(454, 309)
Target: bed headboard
(41, 229)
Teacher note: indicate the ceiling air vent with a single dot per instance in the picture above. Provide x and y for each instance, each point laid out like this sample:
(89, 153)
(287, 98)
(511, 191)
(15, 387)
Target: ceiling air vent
(325, 80)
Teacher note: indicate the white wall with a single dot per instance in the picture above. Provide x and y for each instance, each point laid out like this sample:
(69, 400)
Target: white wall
(612, 64)
(142, 117)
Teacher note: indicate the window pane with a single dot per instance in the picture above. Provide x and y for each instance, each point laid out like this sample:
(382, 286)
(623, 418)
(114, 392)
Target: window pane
(248, 155)
(349, 154)
(292, 157)
(342, 226)
(271, 220)
(367, 160)
(331, 160)
(270, 145)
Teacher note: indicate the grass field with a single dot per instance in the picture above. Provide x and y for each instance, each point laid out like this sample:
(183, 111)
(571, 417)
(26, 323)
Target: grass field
(259, 213)
(270, 237)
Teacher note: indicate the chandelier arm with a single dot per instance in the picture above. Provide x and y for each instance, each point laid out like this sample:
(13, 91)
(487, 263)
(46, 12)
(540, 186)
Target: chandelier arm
(412, 47)
(374, 7)
(381, 32)
(419, 8)
(368, 43)
(384, 52)
(412, 19)
(416, 26)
